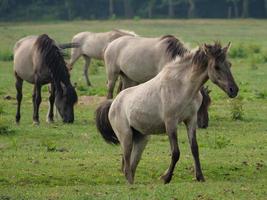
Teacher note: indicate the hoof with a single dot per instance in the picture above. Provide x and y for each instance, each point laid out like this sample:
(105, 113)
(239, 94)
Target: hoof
(166, 178)
(49, 121)
(200, 178)
(36, 123)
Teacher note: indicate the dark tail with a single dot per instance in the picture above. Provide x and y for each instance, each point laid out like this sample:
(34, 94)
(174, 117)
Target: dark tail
(69, 45)
(102, 123)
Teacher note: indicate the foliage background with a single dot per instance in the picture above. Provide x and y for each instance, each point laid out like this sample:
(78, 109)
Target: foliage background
(21, 10)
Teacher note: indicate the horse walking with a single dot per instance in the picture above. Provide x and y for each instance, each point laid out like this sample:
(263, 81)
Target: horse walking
(39, 60)
(92, 46)
(139, 59)
(157, 105)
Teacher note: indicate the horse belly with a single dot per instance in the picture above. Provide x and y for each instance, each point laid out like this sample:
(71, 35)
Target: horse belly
(139, 72)
(94, 49)
(149, 127)
(147, 119)
(23, 67)
(139, 65)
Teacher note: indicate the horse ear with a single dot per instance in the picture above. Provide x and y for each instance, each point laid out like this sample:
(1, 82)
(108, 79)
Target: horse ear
(206, 49)
(225, 49)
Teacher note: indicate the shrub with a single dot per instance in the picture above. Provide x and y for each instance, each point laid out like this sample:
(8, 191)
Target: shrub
(136, 18)
(1, 109)
(50, 145)
(238, 52)
(264, 57)
(113, 17)
(6, 55)
(221, 141)
(4, 128)
(94, 67)
(254, 48)
(261, 95)
(237, 108)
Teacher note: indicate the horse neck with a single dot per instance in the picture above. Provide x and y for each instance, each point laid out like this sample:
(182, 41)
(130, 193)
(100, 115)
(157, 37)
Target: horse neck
(193, 76)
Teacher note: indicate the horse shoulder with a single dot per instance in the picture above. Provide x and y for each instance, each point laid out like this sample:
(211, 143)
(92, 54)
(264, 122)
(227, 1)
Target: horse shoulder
(23, 59)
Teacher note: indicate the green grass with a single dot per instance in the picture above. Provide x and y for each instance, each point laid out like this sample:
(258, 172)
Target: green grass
(58, 161)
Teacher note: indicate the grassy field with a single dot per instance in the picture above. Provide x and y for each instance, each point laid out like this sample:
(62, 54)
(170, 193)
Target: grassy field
(58, 161)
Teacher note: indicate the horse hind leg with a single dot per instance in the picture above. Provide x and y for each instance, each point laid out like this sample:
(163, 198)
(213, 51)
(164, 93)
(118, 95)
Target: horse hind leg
(139, 144)
(86, 68)
(126, 141)
(75, 55)
(19, 83)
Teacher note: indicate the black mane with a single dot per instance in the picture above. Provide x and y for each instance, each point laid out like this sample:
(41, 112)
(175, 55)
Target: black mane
(52, 57)
(174, 46)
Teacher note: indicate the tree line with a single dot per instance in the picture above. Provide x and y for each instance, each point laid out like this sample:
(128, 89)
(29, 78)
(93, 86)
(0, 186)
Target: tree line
(20, 10)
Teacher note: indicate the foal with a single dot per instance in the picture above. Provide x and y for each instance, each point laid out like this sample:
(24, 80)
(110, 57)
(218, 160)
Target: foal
(158, 105)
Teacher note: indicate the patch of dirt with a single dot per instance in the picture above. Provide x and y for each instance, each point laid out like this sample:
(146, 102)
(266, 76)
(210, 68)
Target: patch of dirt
(90, 100)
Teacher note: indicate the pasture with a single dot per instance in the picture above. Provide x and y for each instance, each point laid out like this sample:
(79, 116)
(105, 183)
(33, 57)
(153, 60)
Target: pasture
(61, 161)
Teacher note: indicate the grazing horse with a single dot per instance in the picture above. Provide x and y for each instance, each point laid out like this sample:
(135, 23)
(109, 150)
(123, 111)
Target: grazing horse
(39, 60)
(157, 105)
(139, 59)
(92, 46)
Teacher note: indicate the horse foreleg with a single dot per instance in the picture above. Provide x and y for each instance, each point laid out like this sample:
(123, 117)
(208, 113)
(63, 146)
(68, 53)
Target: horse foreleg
(50, 114)
(191, 132)
(85, 69)
(19, 83)
(171, 130)
(36, 99)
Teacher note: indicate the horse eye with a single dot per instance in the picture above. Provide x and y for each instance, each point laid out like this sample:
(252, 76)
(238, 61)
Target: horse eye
(217, 67)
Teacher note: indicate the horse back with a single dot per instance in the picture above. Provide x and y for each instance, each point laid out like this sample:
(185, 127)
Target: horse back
(27, 62)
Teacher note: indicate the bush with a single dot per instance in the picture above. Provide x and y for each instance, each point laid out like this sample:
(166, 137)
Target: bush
(254, 48)
(1, 109)
(136, 18)
(261, 95)
(6, 56)
(221, 141)
(113, 17)
(4, 128)
(237, 108)
(238, 52)
(264, 57)
(94, 67)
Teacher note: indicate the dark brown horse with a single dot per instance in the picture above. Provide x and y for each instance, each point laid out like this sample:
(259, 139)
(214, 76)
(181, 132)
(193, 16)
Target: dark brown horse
(39, 60)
